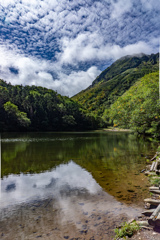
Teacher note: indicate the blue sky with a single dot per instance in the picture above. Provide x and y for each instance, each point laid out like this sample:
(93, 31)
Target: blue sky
(65, 44)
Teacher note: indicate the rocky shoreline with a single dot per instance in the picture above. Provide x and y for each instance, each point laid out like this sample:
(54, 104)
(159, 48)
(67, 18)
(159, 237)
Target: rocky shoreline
(149, 220)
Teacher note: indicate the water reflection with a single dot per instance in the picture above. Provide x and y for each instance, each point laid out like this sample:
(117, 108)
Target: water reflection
(37, 152)
(64, 203)
(113, 159)
(47, 195)
(66, 179)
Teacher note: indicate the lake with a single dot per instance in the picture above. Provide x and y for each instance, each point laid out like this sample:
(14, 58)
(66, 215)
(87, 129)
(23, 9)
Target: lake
(77, 185)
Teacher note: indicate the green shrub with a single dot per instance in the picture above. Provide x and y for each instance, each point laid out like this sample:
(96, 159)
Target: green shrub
(127, 229)
(155, 181)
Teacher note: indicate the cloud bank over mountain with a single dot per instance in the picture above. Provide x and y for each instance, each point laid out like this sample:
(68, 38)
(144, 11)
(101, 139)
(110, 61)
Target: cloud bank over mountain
(65, 44)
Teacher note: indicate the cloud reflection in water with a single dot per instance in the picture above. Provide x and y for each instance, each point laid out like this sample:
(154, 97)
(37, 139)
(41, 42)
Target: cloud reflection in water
(64, 180)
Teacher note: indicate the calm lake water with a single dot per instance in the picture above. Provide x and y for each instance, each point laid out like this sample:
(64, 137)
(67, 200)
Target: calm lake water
(71, 185)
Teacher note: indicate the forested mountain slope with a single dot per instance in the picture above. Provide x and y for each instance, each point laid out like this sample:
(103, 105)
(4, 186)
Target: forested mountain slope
(32, 108)
(116, 80)
(139, 107)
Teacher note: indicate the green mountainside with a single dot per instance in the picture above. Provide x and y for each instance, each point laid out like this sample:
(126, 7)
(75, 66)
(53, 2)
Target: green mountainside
(32, 108)
(115, 81)
(139, 107)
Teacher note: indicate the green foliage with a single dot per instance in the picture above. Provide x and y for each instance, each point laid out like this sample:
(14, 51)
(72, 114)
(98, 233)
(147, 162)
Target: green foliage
(22, 119)
(139, 107)
(40, 109)
(68, 120)
(155, 181)
(15, 116)
(127, 229)
(115, 81)
(11, 109)
(4, 95)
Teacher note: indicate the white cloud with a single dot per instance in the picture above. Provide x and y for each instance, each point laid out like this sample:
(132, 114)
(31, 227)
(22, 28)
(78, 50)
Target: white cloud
(85, 47)
(151, 4)
(82, 48)
(28, 68)
(120, 7)
(140, 47)
(5, 3)
(32, 71)
(73, 83)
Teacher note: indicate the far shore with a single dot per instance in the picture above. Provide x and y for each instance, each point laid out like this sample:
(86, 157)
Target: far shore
(113, 129)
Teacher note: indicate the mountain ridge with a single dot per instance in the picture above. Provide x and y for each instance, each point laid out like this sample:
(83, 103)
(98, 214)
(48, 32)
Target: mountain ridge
(115, 80)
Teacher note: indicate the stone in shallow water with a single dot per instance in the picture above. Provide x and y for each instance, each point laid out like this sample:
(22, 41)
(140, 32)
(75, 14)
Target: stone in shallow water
(75, 238)
(81, 204)
(78, 222)
(130, 190)
(120, 196)
(84, 231)
(84, 227)
(85, 213)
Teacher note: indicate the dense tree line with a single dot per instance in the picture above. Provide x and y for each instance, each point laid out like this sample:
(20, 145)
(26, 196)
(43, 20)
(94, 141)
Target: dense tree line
(32, 108)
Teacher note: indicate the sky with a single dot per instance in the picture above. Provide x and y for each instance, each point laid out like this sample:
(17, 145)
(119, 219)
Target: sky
(65, 44)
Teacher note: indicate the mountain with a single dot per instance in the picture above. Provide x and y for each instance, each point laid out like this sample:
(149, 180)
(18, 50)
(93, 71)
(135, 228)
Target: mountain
(114, 81)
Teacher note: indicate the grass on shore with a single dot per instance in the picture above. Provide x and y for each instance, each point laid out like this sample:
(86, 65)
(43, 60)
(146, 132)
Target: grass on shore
(127, 229)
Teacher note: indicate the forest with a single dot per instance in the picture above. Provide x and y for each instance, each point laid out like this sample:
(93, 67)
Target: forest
(31, 108)
(138, 108)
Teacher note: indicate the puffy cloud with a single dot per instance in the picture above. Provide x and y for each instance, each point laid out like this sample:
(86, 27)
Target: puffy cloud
(73, 83)
(86, 48)
(32, 71)
(5, 3)
(120, 7)
(29, 69)
(150, 4)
